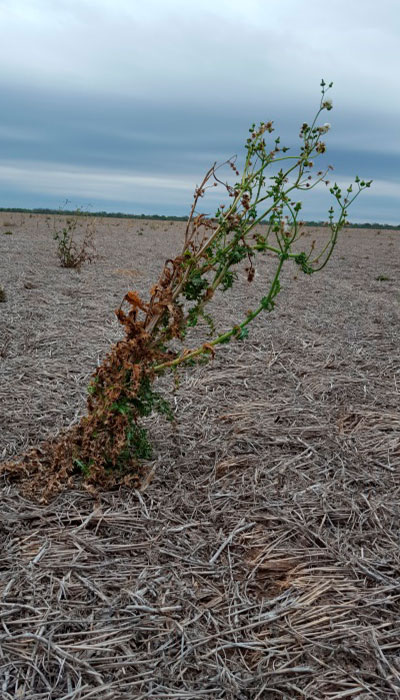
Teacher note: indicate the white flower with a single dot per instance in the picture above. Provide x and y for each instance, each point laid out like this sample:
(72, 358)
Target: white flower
(327, 104)
(324, 128)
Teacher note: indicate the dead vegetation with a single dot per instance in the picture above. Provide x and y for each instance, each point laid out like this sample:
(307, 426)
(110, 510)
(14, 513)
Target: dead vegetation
(260, 558)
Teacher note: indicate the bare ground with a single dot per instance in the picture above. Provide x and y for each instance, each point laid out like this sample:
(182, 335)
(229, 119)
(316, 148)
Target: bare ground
(261, 557)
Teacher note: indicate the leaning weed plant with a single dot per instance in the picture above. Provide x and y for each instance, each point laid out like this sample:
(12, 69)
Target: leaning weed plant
(109, 443)
(71, 252)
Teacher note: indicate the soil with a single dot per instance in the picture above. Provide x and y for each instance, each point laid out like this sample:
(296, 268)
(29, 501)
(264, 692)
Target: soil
(260, 558)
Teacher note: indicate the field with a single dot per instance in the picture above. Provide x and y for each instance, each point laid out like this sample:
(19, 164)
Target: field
(260, 559)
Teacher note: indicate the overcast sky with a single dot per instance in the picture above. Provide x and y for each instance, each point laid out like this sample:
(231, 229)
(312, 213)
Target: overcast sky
(122, 105)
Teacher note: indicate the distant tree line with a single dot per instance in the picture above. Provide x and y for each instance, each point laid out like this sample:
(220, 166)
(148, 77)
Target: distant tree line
(84, 212)
(163, 217)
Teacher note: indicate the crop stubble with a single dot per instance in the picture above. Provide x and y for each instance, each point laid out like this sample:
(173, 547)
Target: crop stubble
(260, 559)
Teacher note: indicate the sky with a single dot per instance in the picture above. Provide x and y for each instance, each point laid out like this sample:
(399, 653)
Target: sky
(122, 105)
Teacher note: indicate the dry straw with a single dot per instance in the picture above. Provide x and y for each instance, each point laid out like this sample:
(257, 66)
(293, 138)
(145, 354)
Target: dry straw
(260, 558)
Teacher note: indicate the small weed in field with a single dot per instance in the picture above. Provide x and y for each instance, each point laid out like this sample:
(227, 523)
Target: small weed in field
(7, 233)
(69, 252)
(3, 295)
(382, 278)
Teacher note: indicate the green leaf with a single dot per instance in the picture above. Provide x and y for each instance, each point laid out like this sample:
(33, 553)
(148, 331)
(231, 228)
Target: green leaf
(244, 333)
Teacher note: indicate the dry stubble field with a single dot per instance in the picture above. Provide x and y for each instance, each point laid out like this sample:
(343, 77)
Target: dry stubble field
(261, 557)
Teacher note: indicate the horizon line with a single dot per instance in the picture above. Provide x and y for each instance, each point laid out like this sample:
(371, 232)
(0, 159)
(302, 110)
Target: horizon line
(166, 217)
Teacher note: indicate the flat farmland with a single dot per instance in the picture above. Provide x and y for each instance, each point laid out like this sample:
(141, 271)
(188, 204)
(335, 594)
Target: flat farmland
(260, 558)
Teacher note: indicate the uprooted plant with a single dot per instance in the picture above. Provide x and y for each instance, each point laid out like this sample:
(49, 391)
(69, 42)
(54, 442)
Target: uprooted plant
(109, 442)
(71, 252)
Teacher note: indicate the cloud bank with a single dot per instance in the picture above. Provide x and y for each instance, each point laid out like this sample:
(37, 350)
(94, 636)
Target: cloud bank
(127, 104)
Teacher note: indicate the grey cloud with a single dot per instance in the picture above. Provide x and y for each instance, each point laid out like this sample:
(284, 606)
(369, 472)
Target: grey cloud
(161, 90)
